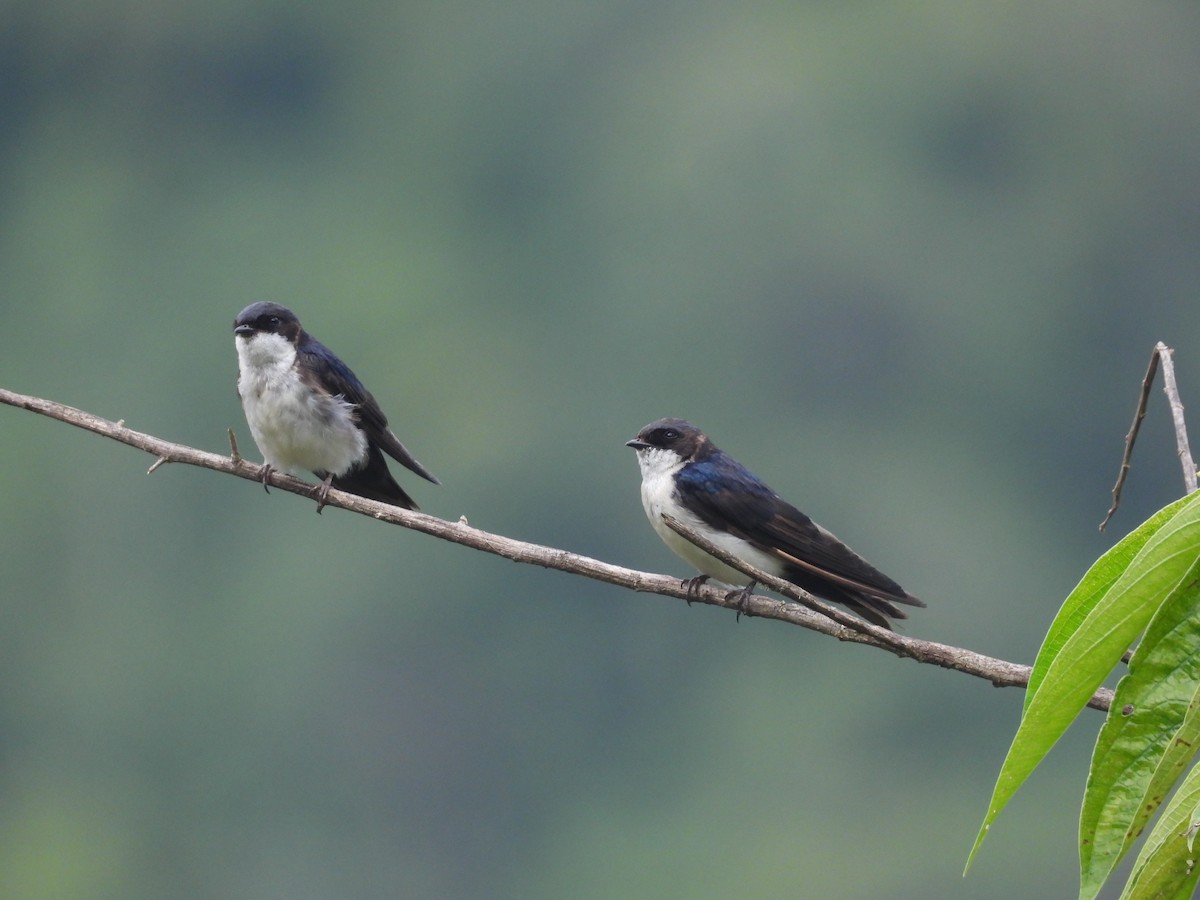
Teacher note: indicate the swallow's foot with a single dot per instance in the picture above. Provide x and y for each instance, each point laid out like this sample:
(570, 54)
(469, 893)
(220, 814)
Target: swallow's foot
(321, 492)
(691, 587)
(264, 475)
(741, 599)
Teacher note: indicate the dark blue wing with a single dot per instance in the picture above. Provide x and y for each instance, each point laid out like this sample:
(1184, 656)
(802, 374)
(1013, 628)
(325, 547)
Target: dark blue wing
(728, 497)
(335, 377)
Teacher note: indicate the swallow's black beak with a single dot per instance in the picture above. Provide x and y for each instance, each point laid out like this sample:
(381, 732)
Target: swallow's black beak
(243, 330)
(637, 444)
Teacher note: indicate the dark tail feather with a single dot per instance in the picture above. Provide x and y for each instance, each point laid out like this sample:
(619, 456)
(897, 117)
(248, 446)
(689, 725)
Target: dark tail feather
(875, 604)
(392, 447)
(876, 610)
(374, 481)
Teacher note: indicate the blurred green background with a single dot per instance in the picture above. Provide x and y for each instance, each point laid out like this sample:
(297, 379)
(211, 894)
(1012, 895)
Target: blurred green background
(905, 260)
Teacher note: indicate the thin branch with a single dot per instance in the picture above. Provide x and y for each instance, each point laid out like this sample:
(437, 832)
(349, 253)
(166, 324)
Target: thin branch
(1160, 354)
(1131, 436)
(999, 672)
(1181, 439)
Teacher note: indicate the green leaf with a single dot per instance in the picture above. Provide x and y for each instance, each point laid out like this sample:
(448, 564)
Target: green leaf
(1151, 734)
(1193, 828)
(1090, 651)
(1094, 584)
(1166, 867)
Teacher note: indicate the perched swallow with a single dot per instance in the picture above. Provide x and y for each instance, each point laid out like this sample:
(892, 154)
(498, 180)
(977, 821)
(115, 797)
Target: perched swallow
(307, 410)
(686, 477)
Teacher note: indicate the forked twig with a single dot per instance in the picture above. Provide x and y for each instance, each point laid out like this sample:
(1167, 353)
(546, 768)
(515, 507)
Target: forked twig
(1160, 355)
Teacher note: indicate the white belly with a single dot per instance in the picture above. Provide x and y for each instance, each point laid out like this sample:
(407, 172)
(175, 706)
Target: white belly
(294, 427)
(658, 499)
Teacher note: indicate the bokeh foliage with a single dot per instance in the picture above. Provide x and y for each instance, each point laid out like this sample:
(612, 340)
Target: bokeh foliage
(905, 260)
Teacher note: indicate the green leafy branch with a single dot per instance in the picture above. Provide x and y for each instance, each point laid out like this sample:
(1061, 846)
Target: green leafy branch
(1148, 585)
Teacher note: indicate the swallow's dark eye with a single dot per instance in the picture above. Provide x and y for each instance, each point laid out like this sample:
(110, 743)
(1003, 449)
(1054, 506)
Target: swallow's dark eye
(274, 321)
(669, 434)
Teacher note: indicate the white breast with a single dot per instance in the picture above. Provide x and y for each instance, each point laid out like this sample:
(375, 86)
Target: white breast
(295, 427)
(659, 498)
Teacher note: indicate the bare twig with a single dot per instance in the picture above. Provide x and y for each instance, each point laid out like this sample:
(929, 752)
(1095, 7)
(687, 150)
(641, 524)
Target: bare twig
(999, 672)
(1181, 439)
(1161, 354)
(1138, 415)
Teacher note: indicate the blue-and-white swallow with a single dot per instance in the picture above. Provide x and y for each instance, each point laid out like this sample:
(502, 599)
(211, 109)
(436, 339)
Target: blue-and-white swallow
(685, 476)
(307, 410)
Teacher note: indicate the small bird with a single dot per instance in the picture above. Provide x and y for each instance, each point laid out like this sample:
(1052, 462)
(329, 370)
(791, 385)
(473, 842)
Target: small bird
(307, 410)
(685, 476)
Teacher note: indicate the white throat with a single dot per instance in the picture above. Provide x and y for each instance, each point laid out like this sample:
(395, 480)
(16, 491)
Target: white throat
(659, 468)
(657, 464)
(264, 356)
(296, 427)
